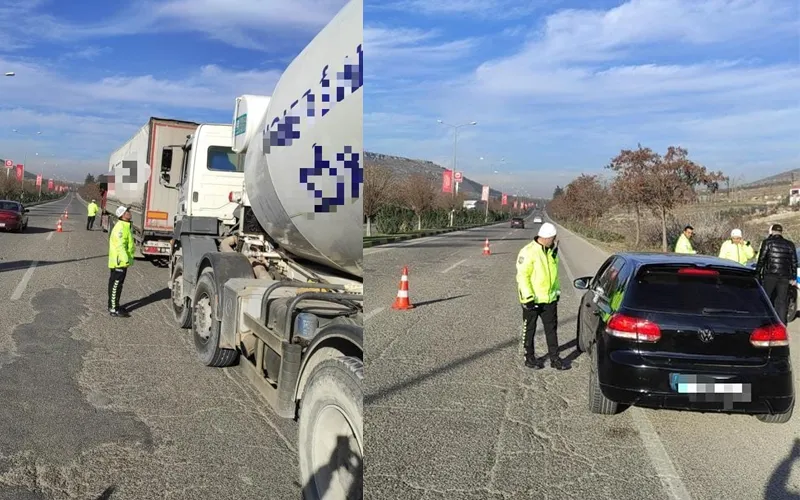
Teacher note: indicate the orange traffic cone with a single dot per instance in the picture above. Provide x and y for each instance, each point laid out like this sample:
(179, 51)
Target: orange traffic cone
(486, 250)
(66, 214)
(58, 227)
(402, 302)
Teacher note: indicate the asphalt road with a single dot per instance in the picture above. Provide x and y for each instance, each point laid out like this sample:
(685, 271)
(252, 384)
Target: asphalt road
(451, 411)
(93, 404)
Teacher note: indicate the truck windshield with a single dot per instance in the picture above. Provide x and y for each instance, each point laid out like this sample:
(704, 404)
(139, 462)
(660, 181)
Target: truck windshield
(223, 159)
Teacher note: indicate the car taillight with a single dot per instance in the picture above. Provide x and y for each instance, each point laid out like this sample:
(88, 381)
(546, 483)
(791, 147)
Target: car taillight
(770, 336)
(627, 327)
(693, 271)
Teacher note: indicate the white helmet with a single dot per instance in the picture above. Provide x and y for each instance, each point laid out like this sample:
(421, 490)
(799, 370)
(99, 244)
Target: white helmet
(547, 230)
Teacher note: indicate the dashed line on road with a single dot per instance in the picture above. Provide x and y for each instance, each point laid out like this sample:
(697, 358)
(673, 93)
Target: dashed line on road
(454, 266)
(373, 313)
(23, 284)
(49, 235)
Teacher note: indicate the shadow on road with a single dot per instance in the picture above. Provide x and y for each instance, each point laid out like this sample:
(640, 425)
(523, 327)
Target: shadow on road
(106, 494)
(434, 301)
(163, 294)
(342, 457)
(38, 230)
(777, 487)
(24, 264)
(464, 360)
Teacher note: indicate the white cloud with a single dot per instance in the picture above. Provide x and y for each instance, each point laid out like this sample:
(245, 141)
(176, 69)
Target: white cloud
(703, 74)
(495, 9)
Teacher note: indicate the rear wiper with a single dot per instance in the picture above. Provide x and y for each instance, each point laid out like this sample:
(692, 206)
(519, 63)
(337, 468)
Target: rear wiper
(712, 310)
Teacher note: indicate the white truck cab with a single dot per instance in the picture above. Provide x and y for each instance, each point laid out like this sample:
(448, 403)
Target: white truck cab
(209, 171)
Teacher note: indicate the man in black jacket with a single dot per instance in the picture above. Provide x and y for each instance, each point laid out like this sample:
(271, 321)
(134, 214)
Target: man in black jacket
(777, 267)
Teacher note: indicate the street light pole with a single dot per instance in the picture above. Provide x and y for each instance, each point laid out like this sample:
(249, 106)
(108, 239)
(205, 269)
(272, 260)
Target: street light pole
(455, 148)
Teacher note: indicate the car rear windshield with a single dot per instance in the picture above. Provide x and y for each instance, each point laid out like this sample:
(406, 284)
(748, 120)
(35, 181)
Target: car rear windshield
(665, 289)
(9, 205)
(517, 219)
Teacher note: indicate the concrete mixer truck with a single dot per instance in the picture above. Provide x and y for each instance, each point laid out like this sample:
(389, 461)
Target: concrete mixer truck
(265, 260)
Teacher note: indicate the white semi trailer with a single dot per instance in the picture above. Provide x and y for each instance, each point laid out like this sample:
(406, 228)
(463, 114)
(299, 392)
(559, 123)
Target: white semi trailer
(266, 264)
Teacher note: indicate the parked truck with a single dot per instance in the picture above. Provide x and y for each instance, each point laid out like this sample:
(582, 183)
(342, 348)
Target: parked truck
(135, 185)
(265, 258)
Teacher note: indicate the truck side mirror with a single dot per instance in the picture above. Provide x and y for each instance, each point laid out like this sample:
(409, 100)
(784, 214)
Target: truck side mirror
(166, 163)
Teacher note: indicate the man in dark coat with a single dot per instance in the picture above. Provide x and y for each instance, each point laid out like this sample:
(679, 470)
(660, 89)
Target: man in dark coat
(777, 268)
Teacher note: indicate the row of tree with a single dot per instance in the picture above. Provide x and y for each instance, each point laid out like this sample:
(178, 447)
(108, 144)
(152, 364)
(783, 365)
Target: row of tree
(643, 181)
(385, 191)
(24, 192)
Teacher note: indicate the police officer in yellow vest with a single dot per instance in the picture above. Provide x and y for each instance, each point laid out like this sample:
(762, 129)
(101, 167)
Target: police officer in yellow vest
(539, 289)
(736, 249)
(684, 245)
(120, 257)
(91, 211)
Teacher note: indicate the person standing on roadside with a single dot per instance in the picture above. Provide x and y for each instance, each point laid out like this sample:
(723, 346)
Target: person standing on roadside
(539, 290)
(91, 211)
(684, 243)
(777, 268)
(736, 249)
(120, 257)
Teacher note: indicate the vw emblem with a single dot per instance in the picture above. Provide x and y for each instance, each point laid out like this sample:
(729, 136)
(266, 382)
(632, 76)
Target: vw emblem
(705, 335)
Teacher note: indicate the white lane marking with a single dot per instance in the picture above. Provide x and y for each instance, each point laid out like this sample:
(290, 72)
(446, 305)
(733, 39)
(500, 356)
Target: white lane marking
(373, 313)
(49, 235)
(24, 282)
(454, 266)
(659, 457)
(655, 447)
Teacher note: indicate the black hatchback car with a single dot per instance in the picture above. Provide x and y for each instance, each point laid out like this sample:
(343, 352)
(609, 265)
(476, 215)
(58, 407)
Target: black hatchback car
(518, 222)
(683, 332)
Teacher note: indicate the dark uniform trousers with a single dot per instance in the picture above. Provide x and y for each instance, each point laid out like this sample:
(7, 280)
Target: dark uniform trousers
(115, 282)
(90, 222)
(549, 315)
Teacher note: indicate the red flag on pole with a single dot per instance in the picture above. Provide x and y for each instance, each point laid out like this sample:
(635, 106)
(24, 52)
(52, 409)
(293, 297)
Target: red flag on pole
(505, 199)
(39, 181)
(49, 184)
(447, 181)
(20, 172)
(485, 193)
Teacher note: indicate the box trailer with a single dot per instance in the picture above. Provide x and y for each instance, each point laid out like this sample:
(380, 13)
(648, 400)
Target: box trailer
(136, 185)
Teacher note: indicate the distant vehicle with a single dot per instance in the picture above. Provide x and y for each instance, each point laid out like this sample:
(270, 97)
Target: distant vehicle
(537, 220)
(683, 332)
(13, 216)
(518, 222)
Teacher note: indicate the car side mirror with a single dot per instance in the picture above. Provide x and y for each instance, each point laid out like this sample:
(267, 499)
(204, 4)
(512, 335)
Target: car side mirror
(26, 210)
(582, 283)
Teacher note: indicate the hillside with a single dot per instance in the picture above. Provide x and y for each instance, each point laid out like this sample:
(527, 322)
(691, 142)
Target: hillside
(405, 167)
(785, 178)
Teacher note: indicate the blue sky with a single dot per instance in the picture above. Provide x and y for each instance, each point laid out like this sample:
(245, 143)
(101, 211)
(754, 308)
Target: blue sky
(89, 74)
(559, 87)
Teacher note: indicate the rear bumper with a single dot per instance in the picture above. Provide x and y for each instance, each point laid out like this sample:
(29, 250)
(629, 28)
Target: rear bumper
(624, 378)
(10, 225)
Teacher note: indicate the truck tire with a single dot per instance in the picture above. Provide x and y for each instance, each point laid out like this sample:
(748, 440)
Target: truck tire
(205, 329)
(331, 431)
(181, 306)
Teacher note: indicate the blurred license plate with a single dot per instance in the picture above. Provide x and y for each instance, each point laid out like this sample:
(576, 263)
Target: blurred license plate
(699, 384)
(2, 224)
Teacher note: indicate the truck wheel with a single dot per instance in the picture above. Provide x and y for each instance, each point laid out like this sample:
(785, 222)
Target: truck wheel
(331, 431)
(181, 306)
(205, 328)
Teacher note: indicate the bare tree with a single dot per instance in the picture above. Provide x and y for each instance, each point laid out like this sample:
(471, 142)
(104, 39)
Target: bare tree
(632, 168)
(419, 193)
(378, 186)
(672, 182)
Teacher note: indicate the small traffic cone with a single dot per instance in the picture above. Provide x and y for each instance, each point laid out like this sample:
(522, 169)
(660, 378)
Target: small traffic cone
(402, 302)
(58, 227)
(66, 214)
(486, 250)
